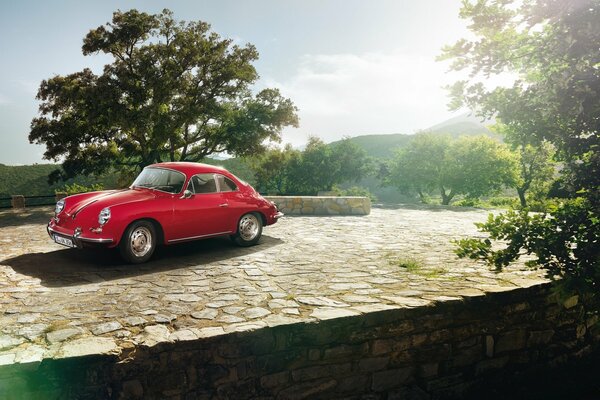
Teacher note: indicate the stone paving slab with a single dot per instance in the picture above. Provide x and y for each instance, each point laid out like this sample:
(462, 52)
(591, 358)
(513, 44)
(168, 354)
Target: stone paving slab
(57, 302)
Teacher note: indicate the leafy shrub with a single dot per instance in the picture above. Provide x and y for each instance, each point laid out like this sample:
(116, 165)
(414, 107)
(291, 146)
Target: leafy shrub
(354, 191)
(504, 202)
(76, 188)
(467, 202)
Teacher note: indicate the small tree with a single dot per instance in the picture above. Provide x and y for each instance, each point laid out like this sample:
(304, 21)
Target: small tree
(469, 166)
(321, 166)
(318, 168)
(271, 169)
(416, 168)
(553, 48)
(536, 165)
(536, 170)
(174, 91)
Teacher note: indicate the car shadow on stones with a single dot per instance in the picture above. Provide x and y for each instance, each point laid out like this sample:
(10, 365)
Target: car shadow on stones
(72, 267)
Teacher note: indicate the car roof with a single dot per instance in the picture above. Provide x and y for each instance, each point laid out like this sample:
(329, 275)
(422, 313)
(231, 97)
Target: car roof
(190, 168)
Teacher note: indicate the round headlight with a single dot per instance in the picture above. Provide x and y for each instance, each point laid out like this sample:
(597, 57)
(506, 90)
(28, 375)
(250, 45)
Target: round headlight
(60, 205)
(104, 216)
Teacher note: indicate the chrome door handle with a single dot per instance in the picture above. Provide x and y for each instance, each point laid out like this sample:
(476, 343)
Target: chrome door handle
(224, 205)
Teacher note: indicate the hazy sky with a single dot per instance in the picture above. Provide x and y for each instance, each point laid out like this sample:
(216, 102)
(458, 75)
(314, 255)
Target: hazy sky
(351, 66)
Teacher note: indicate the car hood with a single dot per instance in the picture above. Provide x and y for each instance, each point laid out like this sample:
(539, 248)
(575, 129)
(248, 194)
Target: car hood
(107, 198)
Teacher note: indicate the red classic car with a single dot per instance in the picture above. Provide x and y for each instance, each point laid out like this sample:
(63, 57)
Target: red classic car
(167, 203)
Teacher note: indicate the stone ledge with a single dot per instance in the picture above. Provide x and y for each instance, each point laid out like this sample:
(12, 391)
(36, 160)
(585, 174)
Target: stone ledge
(322, 205)
(440, 350)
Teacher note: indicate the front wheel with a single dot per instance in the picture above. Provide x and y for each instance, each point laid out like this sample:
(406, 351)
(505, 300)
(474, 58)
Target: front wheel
(139, 242)
(249, 230)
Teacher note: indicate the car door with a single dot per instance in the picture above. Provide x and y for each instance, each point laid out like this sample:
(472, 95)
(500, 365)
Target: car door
(234, 199)
(204, 213)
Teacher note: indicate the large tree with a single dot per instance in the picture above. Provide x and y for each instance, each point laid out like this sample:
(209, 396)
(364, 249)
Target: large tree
(321, 166)
(271, 169)
(174, 91)
(552, 47)
(468, 166)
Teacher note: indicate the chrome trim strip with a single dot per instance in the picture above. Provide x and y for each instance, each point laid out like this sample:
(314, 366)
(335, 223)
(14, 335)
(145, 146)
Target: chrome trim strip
(79, 238)
(95, 240)
(198, 237)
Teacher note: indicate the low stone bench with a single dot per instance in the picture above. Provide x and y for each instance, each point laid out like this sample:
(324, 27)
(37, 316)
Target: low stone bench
(322, 205)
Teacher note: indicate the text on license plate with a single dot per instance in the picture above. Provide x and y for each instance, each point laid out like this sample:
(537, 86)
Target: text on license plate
(64, 241)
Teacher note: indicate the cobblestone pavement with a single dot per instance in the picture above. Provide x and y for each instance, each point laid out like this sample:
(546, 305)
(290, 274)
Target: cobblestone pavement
(58, 302)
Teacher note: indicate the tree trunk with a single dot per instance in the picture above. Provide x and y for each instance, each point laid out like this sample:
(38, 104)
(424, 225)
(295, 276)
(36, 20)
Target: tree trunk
(422, 197)
(446, 198)
(521, 193)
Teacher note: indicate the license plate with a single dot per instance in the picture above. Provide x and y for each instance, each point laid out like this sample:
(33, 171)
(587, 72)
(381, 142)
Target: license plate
(64, 241)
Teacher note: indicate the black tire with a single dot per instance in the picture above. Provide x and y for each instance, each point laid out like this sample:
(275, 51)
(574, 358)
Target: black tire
(249, 230)
(138, 242)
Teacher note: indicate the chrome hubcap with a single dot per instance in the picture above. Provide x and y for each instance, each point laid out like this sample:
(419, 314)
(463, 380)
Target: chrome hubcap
(249, 227)
(141, 241)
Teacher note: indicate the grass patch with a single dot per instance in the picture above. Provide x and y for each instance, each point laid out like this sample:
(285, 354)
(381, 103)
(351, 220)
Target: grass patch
(415, 266)
(410, 264)
(432, 273)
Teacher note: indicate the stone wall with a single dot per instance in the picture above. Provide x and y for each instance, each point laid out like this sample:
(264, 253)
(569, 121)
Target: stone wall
(322, 205)
(446, 350)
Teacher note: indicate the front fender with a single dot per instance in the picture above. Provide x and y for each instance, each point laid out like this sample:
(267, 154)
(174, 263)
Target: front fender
(123, 215)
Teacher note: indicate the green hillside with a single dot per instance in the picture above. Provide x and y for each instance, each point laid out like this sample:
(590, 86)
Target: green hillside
(383, 146)
(32, 180)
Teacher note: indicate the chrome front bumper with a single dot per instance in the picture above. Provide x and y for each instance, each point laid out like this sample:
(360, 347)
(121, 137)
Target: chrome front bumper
(278, 215)
(77, 239)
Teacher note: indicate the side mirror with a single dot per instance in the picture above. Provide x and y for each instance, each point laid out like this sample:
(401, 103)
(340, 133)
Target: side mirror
(187, 194)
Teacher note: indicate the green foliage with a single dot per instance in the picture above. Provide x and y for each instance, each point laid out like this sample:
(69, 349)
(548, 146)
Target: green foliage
(504, 202)
(354, 191)
(32, 180)
(174, 91)
(552, 48)
(271, 169)
(468, 202)
(318, 168)
(536, 167)
(469, 166)
(76, 188)
(564, 242)
(239, 166)
(321, 166)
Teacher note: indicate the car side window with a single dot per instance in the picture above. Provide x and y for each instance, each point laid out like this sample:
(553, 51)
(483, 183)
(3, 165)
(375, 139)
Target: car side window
(203, 183)
(226, 184)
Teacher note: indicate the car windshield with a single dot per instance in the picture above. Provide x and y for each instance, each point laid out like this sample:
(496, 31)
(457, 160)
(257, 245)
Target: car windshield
(165, 180)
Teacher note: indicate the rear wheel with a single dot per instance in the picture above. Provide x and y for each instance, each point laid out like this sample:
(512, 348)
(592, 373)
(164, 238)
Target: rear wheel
(249, 230)
(138, 242)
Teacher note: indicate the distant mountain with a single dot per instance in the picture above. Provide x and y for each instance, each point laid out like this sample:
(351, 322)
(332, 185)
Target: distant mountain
(465, 124)
(383, 146)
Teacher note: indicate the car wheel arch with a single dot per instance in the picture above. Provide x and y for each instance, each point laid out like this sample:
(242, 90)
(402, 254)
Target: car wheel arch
(157, 226)
(263, 217)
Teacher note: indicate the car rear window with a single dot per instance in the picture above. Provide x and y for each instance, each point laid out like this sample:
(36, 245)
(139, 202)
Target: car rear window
(226, 184)
(204, 183)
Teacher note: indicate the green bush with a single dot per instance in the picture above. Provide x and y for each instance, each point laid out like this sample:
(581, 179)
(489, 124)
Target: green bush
(76, 188)
(354, 191)
(467, 202)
